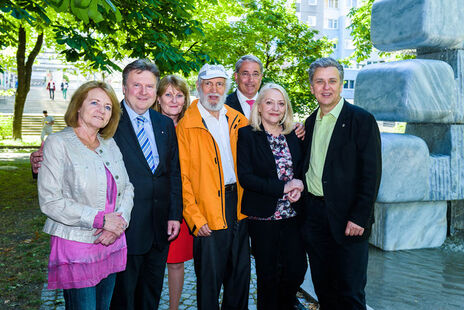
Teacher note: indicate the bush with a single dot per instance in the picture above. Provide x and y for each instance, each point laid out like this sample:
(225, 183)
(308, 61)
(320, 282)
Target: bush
(6, 126)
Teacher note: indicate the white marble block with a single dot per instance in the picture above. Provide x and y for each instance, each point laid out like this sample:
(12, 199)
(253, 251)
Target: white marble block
(446, 143)
(417, 90)
(405, 169)
(455, 58)
(409, 24)
(405, 226)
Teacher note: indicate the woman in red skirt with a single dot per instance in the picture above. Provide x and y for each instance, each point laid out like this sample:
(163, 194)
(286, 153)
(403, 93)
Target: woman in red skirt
(173, 99)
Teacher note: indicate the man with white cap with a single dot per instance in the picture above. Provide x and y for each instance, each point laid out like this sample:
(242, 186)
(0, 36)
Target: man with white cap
(207, 136)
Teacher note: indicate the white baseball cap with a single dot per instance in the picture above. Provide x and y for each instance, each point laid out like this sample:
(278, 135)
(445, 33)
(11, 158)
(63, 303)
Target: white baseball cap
(212, 71)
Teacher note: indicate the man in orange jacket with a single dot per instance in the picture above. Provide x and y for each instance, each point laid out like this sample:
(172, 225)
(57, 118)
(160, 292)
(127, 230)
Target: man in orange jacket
(207, 136)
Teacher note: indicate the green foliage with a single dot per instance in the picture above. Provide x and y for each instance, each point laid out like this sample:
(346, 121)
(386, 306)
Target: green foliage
(270, 30)
(361, 33)
(6, 126)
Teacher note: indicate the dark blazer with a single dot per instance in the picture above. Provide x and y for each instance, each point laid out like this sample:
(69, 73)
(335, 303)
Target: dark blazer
(352, 169)
(232, 101)
(158, 196)
(257, 171)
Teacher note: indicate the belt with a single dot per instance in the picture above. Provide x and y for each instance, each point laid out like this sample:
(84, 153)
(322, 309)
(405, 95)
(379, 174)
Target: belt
(320, 198)
(231, 187)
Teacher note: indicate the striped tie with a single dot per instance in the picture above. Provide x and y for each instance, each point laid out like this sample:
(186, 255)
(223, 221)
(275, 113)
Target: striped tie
(145, 143)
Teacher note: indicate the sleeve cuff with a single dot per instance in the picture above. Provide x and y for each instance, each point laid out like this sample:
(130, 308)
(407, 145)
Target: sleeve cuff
(98, 221)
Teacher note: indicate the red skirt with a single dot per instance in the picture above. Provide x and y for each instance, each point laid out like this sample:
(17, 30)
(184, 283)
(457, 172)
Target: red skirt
(181, 249)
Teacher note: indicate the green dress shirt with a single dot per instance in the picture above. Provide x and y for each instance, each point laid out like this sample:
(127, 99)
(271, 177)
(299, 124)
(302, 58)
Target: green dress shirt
(322, 133)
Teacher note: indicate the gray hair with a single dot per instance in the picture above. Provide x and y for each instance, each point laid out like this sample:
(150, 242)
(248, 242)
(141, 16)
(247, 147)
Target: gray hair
(325, 63)
(251, 58)
(141, 65)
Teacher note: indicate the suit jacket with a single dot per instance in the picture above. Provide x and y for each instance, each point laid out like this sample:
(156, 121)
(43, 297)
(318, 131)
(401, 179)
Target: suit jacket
(157, 196)
(232, 101)
(352, 170)
(257, 173)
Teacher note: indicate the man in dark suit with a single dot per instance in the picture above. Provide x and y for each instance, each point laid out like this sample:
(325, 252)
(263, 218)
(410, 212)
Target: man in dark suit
(157, 211)
(248, 75)
(343, 168)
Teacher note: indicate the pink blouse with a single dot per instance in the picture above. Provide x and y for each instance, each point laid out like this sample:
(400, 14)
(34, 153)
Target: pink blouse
(75, 264)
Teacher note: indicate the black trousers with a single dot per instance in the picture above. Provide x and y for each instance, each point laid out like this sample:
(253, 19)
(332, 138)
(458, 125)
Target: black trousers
(280, 262)
(339, 271)
(140, 285)
(223, 259)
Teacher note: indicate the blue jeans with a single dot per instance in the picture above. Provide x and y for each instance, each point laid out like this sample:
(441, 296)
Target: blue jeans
(97, 297)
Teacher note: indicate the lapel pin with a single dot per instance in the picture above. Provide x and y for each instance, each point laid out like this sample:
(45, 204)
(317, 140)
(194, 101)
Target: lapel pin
(343, 125)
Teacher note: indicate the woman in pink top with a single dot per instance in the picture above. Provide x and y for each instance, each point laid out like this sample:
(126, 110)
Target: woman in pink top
(85, 192)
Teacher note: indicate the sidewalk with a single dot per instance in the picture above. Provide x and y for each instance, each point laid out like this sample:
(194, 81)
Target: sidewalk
(53, 299)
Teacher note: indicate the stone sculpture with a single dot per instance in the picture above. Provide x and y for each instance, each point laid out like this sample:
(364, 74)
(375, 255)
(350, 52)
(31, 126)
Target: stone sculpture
(423, 169)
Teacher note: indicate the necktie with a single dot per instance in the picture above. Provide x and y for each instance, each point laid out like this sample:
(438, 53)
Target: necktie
(250, 102)
(145, 143)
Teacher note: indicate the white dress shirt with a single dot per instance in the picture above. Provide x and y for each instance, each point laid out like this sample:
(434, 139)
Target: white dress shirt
(245, 106)
(148, 129)
(219, 129)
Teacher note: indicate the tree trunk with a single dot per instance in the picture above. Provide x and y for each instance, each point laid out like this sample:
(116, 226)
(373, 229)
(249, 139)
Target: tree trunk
(24, 69)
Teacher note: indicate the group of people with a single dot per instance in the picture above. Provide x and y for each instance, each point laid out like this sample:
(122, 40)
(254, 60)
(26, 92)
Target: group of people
(130, 187)
(51, 87)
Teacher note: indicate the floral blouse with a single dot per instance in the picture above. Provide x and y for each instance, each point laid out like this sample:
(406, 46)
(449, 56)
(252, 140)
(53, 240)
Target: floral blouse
(284, 166)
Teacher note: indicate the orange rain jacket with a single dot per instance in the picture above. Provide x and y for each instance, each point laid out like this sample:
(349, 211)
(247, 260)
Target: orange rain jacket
(201, 169)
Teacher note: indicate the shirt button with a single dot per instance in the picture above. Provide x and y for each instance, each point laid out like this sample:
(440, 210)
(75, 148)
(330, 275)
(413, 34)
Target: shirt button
(107, 163)
(101, 151)
(119, 194)
(116, 177)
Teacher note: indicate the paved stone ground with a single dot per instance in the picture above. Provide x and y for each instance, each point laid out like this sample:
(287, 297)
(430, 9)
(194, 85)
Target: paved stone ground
(53, 299)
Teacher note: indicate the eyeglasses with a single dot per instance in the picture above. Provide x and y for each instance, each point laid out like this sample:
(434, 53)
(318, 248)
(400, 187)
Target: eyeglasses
(210, 84)
(254, 75)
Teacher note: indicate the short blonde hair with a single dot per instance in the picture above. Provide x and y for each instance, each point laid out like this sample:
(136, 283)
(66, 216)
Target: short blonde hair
(178, 83)
(286, 121)
(71, 116)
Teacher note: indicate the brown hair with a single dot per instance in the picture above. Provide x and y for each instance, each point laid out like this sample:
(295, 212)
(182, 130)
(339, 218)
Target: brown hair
(178, 83)
(71, 116)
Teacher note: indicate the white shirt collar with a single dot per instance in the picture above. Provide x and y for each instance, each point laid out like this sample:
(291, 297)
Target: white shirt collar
(206, 114)
(133, 115)
(242, 98)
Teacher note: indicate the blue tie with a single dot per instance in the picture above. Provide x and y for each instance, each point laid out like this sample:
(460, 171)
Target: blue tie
(145, 143)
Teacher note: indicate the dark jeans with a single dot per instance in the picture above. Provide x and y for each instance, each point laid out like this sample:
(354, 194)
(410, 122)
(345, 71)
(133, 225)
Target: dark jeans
(97, 297)
(52, 93)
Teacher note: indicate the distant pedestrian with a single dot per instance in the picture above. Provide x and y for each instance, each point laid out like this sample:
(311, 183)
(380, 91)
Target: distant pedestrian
(64, 88)
(47, 125)
(51, 88)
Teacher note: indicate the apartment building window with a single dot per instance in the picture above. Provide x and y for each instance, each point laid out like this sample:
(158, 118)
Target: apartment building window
(332, 23)
(348, 84)
(312, 21)
(312, 2)
(333, 4)
(351, 3)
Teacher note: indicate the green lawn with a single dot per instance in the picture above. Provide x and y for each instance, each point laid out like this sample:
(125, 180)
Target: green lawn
(23, 246)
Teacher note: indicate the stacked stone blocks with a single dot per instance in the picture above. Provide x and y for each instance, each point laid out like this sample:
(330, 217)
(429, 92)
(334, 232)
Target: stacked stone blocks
(423, 168)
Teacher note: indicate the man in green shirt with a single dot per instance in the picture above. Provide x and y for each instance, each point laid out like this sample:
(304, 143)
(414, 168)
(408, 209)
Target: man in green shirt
(342, 176)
